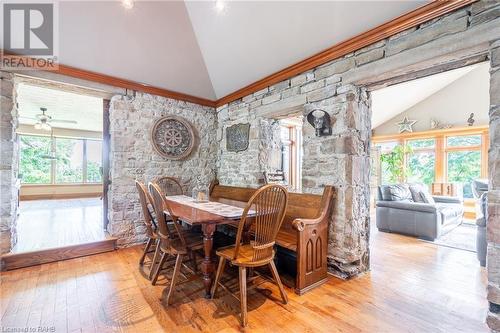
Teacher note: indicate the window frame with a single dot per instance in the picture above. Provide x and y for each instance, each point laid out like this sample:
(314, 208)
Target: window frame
(441, 149)
(53, 166)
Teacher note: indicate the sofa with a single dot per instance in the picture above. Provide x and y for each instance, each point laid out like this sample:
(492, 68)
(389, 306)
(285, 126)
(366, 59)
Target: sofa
(480, 191)
(409, 209)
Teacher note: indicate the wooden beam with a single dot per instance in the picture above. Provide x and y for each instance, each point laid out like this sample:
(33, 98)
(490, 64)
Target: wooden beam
(401, 23)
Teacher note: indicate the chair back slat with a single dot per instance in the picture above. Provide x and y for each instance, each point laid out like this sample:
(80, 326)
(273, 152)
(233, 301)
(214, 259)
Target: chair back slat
(160, 205)
(268, 205)
(169, 185)
(146, 202)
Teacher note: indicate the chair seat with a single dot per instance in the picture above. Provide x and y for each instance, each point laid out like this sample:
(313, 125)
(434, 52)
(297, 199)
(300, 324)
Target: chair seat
(245, 255)
(194, 241)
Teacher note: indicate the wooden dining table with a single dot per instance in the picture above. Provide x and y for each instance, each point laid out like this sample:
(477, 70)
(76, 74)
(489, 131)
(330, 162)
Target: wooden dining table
(182, 207)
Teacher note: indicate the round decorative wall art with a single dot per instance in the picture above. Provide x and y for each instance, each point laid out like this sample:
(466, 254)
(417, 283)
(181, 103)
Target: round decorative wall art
(172, 137)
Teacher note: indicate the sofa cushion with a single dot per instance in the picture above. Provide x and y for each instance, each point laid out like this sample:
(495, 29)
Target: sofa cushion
(415, 190)
(396, 192)
(420, 193)
(427, 197)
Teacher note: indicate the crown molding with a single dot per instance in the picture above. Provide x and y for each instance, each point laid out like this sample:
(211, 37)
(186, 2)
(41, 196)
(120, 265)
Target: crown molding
(117, 82)
(418, 16)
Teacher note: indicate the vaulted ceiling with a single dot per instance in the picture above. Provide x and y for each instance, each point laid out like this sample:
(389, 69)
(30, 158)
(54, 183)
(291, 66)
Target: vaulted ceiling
(192, 48)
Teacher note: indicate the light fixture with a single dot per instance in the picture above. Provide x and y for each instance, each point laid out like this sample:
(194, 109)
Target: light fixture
(220, 6)
(320, 120)
(128, 4)
(38, 126)
(46, 127)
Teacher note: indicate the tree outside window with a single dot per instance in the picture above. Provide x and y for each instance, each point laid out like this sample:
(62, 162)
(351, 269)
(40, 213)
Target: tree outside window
(77, 160)
(34, 167)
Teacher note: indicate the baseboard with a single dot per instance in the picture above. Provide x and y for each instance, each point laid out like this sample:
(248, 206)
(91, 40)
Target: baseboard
(11, 261)
(60, 196)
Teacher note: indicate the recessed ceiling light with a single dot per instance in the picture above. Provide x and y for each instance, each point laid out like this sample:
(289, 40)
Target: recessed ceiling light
(128, 4)
(220, 6)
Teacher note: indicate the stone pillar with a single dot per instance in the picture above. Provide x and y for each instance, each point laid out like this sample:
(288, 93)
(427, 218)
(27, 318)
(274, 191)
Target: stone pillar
(493, 227)
(343, 159)
(8, 163)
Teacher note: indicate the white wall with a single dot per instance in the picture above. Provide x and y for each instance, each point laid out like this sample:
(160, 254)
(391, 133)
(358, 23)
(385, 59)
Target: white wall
(451, 105)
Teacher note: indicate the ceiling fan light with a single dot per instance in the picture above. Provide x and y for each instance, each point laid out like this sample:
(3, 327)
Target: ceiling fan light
(46, 127)
(38, 126)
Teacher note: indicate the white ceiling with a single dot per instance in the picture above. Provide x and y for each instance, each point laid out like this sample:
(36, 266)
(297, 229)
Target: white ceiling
(253, 39)
(193, 49)
(85, 110)
(393, 100)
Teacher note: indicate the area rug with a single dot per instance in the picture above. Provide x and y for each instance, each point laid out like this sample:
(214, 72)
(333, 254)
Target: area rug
(462, 237)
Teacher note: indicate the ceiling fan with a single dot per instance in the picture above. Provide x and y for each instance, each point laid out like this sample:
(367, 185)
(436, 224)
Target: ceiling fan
(44, 121)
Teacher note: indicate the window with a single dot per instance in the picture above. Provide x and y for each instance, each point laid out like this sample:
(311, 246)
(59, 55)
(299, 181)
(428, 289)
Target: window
(421, 161)
(463, 160)
(76, 160)
(291, 151)
(385, 148)
(69, 162)
(34, 164)
(94, 161)
(463, 141)
(447, 156)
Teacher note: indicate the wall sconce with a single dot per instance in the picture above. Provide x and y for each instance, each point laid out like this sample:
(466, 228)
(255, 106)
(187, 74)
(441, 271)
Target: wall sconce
(320, 120)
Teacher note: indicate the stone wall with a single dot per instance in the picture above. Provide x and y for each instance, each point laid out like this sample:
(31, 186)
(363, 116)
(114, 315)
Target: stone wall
(340, 88)
(8, 163)
(493, 227)
(133, 157)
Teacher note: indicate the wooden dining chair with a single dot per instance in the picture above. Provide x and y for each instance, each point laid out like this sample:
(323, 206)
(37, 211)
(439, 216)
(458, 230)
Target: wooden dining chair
(173, 241)
(147, 206)
(169, 185)
(263, 215)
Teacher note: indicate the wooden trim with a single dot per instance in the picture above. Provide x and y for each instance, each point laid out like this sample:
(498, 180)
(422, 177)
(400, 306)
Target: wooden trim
(484, 154)
(27, 197)
(121, 83)
(401, 23)
(25, 259)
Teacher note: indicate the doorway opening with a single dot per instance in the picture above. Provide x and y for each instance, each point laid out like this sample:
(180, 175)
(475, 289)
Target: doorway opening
(60, 135)
(430, 158)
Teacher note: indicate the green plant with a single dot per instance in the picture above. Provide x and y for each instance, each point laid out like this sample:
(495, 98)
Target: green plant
(393, 164)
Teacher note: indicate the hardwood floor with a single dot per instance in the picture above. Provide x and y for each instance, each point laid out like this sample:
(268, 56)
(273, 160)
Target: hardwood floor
(413, 286)
(45, 224)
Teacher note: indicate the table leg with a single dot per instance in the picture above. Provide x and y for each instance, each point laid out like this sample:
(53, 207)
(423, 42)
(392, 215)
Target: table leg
(208, 266)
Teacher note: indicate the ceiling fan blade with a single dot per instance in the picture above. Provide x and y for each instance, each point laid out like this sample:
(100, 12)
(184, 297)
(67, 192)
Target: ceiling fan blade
(62, 121)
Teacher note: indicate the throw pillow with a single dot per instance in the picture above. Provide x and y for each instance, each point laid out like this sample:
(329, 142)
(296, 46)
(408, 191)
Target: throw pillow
(415, 190)
(427, 197)
(400, 192)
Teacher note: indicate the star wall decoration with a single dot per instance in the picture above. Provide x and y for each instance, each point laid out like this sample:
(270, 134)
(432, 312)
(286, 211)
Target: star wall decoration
(405, 125)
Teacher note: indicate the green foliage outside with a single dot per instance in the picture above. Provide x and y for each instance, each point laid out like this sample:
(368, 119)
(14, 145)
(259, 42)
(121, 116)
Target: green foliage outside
(393, 165)
(68, 170)
(421, 168)
(33, 168)
(464, 167)
(93, 172)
